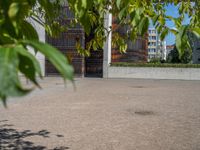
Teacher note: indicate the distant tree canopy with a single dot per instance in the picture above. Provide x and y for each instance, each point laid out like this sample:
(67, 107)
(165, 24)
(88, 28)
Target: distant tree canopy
(17, 34)
(174, 56)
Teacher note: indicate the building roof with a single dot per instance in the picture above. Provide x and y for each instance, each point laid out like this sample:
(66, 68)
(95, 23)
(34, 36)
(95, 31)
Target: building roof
(170, 46)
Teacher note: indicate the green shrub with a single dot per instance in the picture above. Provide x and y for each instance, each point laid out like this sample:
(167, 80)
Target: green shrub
(164, 65)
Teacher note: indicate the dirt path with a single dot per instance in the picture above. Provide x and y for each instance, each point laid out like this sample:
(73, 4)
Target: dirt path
(105, 114)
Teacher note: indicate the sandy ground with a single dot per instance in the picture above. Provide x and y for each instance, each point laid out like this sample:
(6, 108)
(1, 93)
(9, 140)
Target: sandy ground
(104, 114)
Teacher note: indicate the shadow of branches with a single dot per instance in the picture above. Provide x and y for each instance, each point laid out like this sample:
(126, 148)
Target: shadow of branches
(11, 139)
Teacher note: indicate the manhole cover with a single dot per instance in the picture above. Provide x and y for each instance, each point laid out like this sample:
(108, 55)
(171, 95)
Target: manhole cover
(60, 83)
(144, 113)
(138, 87)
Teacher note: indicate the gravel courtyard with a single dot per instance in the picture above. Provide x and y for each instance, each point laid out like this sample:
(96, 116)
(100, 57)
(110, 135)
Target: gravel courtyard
(104, 114)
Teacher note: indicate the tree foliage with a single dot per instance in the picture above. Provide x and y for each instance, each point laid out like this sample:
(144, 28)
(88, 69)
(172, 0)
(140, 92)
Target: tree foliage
(138, 15)
(17, 34)
(174, 56)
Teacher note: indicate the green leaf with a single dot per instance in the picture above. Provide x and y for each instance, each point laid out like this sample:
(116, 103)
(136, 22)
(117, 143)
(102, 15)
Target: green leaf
(155, 19)
(54, 56)
(94, 45)
(177, 22)
(118, 3)
(182, 30)
(181, 8)
(161, 20)
(174, 31)
(122, 13)
(84, 3)
(28, 64)
(9, 79)
(85, 19)
(179, 44)
(18, 11)
(135, 18)
(196, 31)
(133, 35)
(143, 26)
(29, 31)
(182, 40)
(13, 10)
(164, 34)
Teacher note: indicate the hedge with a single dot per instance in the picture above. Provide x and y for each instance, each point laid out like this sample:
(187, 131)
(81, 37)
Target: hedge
(162, 65)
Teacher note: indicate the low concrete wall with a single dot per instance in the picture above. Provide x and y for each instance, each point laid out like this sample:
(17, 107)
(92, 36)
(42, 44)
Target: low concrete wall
(154, 73)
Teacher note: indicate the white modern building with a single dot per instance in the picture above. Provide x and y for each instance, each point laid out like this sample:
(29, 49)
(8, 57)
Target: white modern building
(152, 43)
(156, 47)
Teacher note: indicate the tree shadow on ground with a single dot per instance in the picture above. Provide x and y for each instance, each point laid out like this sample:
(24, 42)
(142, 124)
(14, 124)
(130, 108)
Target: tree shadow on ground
(11, 139)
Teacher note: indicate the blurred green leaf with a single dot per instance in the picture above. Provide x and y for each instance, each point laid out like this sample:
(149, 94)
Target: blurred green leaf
(118, 3)
(164, 34)
(143, 26)
(29, 31)
(155, 19)
(13, 10)
(182, 43)
(196, 31)
(54, 56)
(9, 78)
(28, 64)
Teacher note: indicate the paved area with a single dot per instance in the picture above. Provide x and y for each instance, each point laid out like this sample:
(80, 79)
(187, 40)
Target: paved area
(104, 114)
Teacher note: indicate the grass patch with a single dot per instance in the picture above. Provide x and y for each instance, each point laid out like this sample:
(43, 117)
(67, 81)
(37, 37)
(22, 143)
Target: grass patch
(162, 65)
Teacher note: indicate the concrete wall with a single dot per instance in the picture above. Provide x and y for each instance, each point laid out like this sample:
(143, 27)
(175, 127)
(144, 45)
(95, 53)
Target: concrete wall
(154, 73)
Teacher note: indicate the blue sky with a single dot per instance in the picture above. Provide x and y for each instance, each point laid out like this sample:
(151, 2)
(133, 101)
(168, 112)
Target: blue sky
(173, 11)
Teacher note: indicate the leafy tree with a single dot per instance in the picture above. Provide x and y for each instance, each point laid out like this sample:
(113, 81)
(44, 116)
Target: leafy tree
(17, 34)
(174, 56)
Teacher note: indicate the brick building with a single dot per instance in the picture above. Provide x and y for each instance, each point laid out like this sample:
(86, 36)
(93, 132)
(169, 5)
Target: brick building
(136, 51)
(95, 64)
